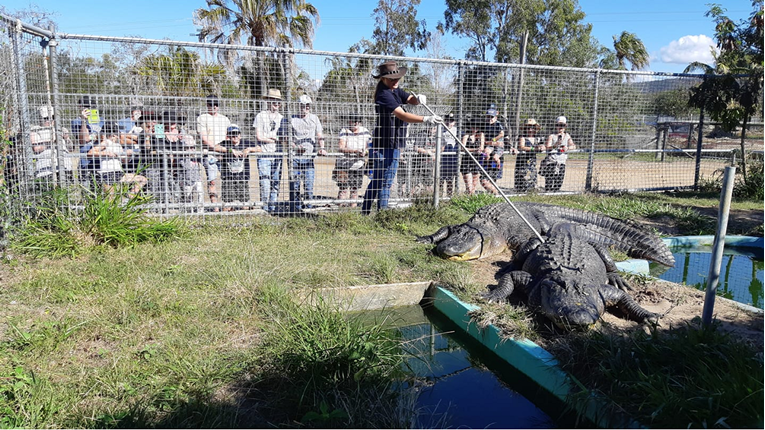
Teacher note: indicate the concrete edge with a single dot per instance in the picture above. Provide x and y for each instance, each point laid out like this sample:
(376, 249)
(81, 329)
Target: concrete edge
(529, 358)
(368, 297)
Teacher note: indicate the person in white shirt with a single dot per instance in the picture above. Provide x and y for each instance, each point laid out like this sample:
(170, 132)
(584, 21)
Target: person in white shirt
(307, 136)
(554, 165)
(112, 154)
(211, 127)
(349, 171)
(267, 124)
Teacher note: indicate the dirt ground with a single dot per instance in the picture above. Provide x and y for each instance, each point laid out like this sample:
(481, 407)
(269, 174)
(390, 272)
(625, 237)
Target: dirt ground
(679, 304)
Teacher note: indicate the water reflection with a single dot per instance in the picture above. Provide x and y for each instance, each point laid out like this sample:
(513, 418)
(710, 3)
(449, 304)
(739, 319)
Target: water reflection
(741, 273)
(461, 390)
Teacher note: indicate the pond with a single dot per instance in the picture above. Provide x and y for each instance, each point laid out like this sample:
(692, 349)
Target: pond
(741, 272)
(468, 386)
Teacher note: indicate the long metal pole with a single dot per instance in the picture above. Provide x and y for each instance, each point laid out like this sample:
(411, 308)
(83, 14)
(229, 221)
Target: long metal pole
(488, 177)
(719, 244)
(23, 99)
(591, 158)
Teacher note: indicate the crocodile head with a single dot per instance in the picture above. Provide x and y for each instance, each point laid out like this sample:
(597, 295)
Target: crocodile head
(466, 242)
(571, 306)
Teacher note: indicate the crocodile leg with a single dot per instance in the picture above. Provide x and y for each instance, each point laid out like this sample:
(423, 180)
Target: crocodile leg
(614, 278)
(615, 297)
(507, 284)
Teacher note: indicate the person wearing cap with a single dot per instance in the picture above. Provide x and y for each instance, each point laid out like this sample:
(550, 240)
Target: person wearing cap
(389, 134)
(307, 135)
(473, 141)
(349, 170)
(211, 127)
(553, 167)
(526, 161)
(267, 124)
(235, 167)
(494, 138)
(449, 156)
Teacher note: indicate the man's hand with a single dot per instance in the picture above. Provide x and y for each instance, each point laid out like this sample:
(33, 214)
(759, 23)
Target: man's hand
(322, 151)
(432, 119)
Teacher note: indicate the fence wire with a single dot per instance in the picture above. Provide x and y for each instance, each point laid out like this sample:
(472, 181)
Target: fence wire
(91, 113)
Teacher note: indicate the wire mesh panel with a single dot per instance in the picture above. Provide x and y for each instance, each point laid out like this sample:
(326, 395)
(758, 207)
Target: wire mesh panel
(198, 128)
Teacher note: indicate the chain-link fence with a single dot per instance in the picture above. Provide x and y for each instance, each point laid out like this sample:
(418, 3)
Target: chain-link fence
(93, 113)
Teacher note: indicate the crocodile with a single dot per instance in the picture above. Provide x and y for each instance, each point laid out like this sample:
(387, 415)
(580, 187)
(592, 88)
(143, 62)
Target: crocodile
(497, 227)
(569, 279)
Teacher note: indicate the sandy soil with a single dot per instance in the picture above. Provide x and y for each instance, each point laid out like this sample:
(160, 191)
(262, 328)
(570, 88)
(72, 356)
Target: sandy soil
(679, 305)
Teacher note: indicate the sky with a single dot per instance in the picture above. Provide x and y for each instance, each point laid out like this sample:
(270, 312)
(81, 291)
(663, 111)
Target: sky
(675, 32)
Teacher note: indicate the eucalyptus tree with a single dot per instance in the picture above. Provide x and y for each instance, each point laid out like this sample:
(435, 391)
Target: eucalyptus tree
(397, 28)
(556, 34)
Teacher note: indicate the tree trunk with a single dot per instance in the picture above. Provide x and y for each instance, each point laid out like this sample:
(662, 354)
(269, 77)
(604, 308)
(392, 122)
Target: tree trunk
(743, 148)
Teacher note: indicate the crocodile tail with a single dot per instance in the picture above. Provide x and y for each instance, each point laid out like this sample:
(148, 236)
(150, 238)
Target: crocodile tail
(626, 236)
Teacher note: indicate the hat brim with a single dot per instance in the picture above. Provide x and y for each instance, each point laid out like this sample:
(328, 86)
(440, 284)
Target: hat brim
(399, 73)
(272, 98)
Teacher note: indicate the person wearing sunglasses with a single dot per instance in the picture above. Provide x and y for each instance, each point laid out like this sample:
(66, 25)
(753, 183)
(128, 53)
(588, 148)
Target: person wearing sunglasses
(389, 134)
(553, 167)
(211, 127)
(267, 124)
(307, 142)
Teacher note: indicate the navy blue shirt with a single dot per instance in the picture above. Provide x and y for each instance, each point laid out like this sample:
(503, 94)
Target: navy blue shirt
(235, 168)
(389, 132)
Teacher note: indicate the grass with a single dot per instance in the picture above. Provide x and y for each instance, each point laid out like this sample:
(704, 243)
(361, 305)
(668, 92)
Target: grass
(196, 329)
(687, 377)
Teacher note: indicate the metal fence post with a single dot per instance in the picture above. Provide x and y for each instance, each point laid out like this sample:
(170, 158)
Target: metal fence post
(718, 246)
(58, 121)
(591, 158)
(437, 166)
(27, 169)
(461, 117)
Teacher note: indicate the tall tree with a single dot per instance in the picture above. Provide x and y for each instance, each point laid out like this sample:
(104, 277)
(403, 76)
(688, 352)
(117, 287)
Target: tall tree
(630, 49)
(557, 35)
(732, 90)
(258, 22)
(397, 28)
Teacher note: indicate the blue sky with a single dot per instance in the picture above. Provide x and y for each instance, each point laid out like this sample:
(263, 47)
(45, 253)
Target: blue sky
(674, 32)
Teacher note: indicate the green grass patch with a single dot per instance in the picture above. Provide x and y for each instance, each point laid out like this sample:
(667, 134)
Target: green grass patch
(687, 377)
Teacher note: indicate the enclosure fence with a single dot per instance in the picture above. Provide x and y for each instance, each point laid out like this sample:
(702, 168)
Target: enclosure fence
(84, 113)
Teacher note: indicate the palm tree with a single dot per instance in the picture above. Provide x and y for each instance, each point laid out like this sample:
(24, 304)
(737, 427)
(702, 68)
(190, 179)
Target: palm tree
(258, 22)
(630, 48)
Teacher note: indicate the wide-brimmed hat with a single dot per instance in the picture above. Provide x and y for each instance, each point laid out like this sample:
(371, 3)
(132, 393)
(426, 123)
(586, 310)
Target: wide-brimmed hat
(390, 70)
(531, 122)
(273, 94)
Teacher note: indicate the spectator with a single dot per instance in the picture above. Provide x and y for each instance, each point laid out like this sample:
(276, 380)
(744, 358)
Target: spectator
(111, 154)
(149, 161)
(553, 167)
(390, 132)
(85, 130)
(235, 167)
(349, 170)
(474, 143)
(494, 135)
(307, 131)
(211, 127)
(130, 125)
(267, 124)
(45, 147)
(449, 156)
(526, 162)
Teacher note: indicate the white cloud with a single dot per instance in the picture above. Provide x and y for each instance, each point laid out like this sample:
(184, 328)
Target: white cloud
(688, 49)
